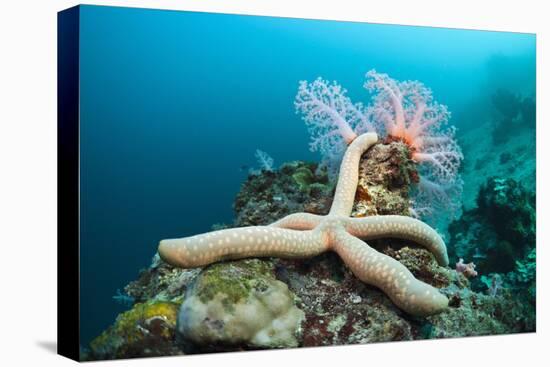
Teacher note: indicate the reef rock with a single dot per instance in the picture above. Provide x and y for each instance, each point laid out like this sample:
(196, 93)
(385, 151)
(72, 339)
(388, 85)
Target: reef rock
(386, 172)
(148, 329)
(296, 187)
(239, 304)
(160, 282)
(477, 314)
(340, 309)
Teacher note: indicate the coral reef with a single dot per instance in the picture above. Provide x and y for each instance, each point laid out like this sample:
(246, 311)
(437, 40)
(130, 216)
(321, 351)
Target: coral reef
(338, 308)
(302, 235)
(401, 111)
(386, 173)
(475, 314)
(510, 207)
(521, 280)
(408, 113)
(148, 329)
(238, 304)
(341, 310)
(525, 274)
(499, 234)
(160, 282)
(295, 187)
(301, 294)
(516, 159)
(499, 231)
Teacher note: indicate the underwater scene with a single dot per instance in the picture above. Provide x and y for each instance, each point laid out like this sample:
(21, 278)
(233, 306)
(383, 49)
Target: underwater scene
(253, 183)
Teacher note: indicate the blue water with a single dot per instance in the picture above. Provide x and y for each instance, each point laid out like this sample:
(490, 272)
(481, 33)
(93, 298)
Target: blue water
(174, 104)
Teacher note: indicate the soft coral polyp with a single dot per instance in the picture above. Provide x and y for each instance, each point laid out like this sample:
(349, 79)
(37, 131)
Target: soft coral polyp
(407, 112)
(403, 110)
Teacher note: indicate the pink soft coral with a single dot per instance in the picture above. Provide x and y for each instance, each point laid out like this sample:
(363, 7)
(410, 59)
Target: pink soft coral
(405, 111)
(409, 113)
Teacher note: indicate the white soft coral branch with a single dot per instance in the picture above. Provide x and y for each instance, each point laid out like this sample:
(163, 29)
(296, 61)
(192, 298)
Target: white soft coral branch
(326, 106)
(389, 89)
(332, 119)
(443, 155)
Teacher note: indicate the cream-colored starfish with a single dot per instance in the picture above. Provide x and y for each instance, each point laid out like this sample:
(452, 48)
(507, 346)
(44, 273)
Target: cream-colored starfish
(303, 235)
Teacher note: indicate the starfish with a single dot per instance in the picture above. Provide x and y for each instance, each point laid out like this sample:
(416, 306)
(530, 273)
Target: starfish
(302, 235)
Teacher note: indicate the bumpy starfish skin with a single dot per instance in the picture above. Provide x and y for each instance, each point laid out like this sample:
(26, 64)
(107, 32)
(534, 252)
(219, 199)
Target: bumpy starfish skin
(398, 226)
(346, 187)
(303, 235)
(237, 243)
(370, 266)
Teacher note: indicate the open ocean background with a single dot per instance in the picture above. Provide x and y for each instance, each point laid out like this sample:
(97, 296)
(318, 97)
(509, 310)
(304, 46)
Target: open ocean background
(174, 105)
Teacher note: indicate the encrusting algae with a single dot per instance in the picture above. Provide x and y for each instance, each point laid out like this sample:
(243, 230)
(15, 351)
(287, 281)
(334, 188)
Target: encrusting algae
(147, 329)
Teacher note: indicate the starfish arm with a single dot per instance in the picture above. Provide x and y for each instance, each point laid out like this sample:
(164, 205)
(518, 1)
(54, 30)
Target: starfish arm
(299, 221)
(393, 278)
(238, 243)
(398, 226)
(349, 174)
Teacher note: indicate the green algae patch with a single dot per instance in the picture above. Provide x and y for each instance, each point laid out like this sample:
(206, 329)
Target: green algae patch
(304, 178)
(233, 280)
(309, 183)
(239, 304)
